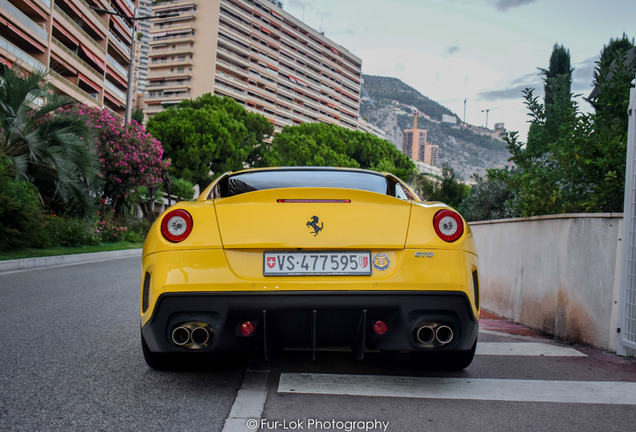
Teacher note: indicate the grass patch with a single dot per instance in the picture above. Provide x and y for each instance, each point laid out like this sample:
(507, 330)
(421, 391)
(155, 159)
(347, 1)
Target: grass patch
(34, 253)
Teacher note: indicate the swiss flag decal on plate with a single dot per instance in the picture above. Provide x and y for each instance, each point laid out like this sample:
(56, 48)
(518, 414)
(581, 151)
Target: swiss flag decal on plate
(271, 262)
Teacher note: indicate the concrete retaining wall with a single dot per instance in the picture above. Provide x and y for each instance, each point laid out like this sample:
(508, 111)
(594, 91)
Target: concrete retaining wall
(557, 274)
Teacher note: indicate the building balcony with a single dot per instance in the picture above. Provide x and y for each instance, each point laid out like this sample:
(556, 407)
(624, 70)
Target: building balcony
(67, 56)
(233, 47)
(72, 30)
(91, 16)
(225, 90)
(117, 66)
(180, 25)
(119, 45)
(233, 68)
(166, 7)
(122, 29)
(235, 34)
(64, 86)
(12, 52)
(161, 39)
(178, 49)
(168, 85)
(19, 22)
(233, 57)
(114, 90)
(168, 74)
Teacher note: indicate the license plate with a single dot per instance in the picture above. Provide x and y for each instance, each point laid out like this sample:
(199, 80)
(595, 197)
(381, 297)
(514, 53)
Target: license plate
(354, 263)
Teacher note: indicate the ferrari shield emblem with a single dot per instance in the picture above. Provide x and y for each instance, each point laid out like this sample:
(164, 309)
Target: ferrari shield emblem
(381, 261)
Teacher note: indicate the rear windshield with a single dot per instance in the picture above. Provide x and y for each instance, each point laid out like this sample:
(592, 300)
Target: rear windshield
(260, 180)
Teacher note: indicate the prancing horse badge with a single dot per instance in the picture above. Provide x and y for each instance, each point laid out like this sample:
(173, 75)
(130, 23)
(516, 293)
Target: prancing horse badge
(313, 223)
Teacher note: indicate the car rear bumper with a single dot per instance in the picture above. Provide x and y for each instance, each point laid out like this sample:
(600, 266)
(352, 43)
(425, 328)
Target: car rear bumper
(313, 320)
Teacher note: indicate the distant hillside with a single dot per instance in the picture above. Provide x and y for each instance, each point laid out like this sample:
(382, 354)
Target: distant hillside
(466, 151)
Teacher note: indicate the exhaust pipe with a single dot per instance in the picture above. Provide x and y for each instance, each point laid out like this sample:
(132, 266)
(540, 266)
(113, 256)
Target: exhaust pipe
(200, 336)
(444, 334)
(425, 334)
(434, 334)
(181, 336)
(193, 335)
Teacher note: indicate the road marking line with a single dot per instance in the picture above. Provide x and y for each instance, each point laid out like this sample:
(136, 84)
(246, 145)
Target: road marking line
(585, 392)
(249, 402)
(526, 349)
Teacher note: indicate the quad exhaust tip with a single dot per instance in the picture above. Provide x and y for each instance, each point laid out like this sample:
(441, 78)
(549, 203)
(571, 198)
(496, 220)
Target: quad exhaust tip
(434, 334)
(193, 335)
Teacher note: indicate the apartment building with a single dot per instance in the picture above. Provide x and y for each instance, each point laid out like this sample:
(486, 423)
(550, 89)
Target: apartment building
(256, 53)
(86, 53)
(416, 146)
(414, 143)
(142, 48)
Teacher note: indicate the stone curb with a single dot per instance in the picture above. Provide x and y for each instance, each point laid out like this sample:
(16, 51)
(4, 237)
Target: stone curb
(32, 263)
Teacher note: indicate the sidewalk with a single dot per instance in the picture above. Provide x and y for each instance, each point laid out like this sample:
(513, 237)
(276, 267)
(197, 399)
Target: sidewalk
(61, 260)
(492, 322)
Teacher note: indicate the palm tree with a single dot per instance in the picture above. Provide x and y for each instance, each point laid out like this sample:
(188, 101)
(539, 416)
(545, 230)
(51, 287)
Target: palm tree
(47, 146)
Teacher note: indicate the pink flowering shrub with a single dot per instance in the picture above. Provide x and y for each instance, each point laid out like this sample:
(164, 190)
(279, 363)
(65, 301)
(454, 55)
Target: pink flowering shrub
(128, 156)
(107, 227)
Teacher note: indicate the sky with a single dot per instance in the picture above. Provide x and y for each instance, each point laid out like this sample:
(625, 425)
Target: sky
(482, 51)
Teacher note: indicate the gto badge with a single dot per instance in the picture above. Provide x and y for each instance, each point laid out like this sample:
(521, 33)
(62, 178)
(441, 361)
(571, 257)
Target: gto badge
(424, 254)
(381, 261)
(313, 223)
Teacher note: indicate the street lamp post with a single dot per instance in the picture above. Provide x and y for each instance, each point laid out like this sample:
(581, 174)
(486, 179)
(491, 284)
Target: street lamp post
(131, 82)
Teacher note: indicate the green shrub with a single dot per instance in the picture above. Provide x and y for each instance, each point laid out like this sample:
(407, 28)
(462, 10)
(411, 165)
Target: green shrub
(69, 232)
(21, 213)
(140, 228)
(488, 199)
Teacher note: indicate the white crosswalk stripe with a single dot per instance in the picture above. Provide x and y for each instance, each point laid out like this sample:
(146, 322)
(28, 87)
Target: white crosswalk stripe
(583, 392)
(526, 349)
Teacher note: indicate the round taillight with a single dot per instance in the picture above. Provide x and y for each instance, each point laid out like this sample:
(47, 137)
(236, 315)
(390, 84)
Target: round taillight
(448, 225)
(380, 327)
(247, 328)
(176, 226)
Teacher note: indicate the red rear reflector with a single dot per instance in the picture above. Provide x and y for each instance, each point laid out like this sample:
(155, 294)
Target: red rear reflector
(313, 201)
(380, 327)
(247, 328)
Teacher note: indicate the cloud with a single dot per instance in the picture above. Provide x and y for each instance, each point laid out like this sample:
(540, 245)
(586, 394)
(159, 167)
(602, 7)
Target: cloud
(514, 90)
(583, 76)
(453, 49)
(506, 5)
(582, 80)
(507, 93)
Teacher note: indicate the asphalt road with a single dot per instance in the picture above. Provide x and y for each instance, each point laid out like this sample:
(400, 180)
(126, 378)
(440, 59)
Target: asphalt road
(70, 360)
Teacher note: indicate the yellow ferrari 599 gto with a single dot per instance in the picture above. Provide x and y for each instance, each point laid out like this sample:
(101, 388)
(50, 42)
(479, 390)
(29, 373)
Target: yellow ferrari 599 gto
(310, 257)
